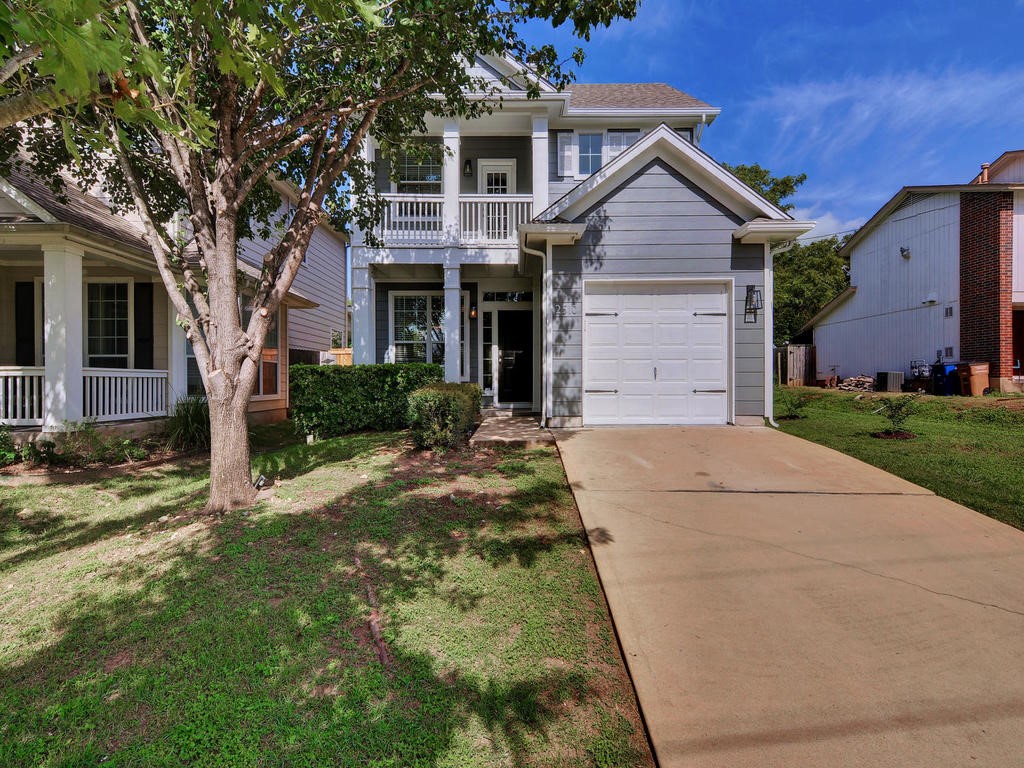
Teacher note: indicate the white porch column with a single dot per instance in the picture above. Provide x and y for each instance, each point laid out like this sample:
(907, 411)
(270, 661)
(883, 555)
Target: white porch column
(63, 324)
(540, 163)
(450, 180)
(452, 327)
(177, 362)
(363, 327)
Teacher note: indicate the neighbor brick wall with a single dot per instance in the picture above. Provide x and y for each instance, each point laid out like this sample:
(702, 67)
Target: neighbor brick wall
(986, 280)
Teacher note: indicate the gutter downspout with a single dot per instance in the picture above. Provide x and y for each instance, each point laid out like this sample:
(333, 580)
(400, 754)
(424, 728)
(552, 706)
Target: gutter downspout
(545, 321)
(769, 331)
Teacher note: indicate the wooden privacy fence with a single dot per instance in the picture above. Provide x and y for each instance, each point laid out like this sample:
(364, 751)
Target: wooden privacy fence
(795, 365)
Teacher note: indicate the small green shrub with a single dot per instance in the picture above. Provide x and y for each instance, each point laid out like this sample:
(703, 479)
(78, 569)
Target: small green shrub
(8, 453)
(39, 452)
(792, 403)
(81, 444)
(441, 415)
(188, 427)
(331, 400)
(897, 410)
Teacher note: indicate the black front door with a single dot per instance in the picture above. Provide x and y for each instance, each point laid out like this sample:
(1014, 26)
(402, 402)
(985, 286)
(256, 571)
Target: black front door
(515, 351)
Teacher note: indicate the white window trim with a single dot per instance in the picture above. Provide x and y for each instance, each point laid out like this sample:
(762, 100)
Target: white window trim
(39, 320)
(280, 362)
(465, 323)
(500, 164)
(574, 144)
(131, 317)
(393, 183)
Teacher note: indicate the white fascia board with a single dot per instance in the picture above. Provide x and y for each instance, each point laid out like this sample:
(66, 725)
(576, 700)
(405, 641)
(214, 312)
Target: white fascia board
(771, 230)
(664, 143)
(700, 115)
(26, 202)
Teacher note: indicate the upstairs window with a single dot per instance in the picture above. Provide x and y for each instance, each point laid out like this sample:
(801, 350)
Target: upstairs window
(590, 152)
(621, 140)
(419, 171)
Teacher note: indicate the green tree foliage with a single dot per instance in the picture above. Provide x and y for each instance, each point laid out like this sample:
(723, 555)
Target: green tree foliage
(230, 94)
(807, 277)
(773, 188)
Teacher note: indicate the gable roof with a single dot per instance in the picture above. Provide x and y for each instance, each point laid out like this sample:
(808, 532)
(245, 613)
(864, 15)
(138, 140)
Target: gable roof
(766, 222)
(631, 96)
(900, 198)
(1005, 159)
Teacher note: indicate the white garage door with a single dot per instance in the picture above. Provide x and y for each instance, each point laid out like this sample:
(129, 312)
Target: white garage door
(655, 353)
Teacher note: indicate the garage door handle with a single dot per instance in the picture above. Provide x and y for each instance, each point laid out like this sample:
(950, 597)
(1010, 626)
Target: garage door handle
(709, 314)
(601, 391)
(710, 391)
(602, 314)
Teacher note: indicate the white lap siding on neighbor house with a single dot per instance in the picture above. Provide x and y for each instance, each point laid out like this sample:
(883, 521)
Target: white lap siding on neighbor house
(899, 311)
(657, 225)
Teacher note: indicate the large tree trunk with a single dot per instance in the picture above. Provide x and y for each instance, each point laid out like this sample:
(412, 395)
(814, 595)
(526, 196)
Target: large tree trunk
(230, 474)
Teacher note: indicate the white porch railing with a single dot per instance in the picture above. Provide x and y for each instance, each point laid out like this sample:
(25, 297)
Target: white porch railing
(115, 394)
(493, 218)
(21, 395)
(413, 219)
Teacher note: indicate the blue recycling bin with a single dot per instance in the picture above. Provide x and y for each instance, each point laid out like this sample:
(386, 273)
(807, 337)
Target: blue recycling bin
(945, 380)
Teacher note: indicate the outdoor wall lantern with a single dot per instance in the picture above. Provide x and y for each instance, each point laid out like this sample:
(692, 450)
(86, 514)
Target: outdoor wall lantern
(904, 252)
(752, 305)
(467, 167)
(472, 308)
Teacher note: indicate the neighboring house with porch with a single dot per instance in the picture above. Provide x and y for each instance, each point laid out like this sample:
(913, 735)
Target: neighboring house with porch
(87, 329)
(936, 275)
(577, 255)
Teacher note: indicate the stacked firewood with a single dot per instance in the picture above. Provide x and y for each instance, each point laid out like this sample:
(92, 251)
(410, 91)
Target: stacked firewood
(858, 384)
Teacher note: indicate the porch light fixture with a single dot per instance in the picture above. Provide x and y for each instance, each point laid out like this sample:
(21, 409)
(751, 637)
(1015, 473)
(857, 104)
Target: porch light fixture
(752, 305)
(472, 312)
(467, 167)
(904, 252)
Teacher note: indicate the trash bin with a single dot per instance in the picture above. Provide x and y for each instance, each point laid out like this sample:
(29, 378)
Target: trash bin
(978, 378)
(944, 379)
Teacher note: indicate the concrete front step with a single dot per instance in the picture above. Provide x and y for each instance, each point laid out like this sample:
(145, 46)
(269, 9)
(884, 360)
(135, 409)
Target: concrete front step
(510, 429)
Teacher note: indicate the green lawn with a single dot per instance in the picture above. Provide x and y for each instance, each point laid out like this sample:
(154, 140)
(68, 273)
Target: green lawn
(970, 450)
(135, 631)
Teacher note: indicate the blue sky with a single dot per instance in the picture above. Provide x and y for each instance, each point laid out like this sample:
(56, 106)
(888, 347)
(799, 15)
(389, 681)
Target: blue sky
(863, 97)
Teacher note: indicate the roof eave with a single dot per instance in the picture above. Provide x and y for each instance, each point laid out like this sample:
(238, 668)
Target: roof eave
(772, 230)
(828, 308)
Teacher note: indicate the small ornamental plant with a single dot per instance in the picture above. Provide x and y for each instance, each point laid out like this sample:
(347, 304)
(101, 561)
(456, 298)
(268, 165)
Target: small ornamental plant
(897, 410)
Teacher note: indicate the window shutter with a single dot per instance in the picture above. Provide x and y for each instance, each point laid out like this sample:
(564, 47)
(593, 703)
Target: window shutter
(565, 154)
(144, 326)
(24, 324)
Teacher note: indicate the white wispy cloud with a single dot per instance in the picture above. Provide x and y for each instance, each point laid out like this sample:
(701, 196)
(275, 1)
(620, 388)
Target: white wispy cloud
(826, 222)
(910, 110)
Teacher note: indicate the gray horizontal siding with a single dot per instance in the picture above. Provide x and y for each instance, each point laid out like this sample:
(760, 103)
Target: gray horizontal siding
(657, 224)
(518, 148)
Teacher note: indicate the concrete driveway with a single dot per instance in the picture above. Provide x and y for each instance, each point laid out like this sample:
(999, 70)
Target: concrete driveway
(781, 604)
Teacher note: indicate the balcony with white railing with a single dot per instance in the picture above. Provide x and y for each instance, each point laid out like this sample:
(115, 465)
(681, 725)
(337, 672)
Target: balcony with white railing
(117, 394)
(480, 219)
(493, 219)
(21, 395)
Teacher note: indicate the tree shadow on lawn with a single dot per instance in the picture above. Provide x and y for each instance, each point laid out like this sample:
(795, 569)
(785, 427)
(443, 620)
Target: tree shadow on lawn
(253, 646)
(182, 486)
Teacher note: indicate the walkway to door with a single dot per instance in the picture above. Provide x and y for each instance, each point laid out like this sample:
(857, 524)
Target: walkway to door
(781, 604)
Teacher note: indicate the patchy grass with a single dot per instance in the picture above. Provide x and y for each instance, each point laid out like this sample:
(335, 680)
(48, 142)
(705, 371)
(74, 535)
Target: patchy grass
(135, 631)
(969, 450)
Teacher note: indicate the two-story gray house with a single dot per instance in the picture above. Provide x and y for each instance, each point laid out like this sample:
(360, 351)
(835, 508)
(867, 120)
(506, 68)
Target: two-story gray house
(577, 255)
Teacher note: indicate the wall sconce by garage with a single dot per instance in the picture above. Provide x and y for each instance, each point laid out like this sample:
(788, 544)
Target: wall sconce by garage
(904, 252)
(472, 310)
(467, 167)
(752, 305)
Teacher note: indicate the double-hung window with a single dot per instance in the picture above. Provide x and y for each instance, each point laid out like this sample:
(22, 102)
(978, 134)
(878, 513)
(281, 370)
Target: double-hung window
(107, 325)
(270, 358)
(417, 328)
(590, 152)
(418, 171)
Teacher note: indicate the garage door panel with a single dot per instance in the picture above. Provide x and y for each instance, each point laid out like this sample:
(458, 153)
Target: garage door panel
(654, 326)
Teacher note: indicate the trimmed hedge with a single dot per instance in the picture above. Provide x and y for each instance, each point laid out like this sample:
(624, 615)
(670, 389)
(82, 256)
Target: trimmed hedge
(330, 400)
(441, 415)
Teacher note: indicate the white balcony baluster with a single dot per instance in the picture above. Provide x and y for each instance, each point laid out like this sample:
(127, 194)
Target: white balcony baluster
(21, 395)
(487, 219)
(115, 394)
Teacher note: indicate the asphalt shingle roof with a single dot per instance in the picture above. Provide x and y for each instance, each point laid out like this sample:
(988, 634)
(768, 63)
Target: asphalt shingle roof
(631, 96)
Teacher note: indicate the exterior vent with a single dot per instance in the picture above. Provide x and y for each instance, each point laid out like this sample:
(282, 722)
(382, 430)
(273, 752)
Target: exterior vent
(912, 199)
